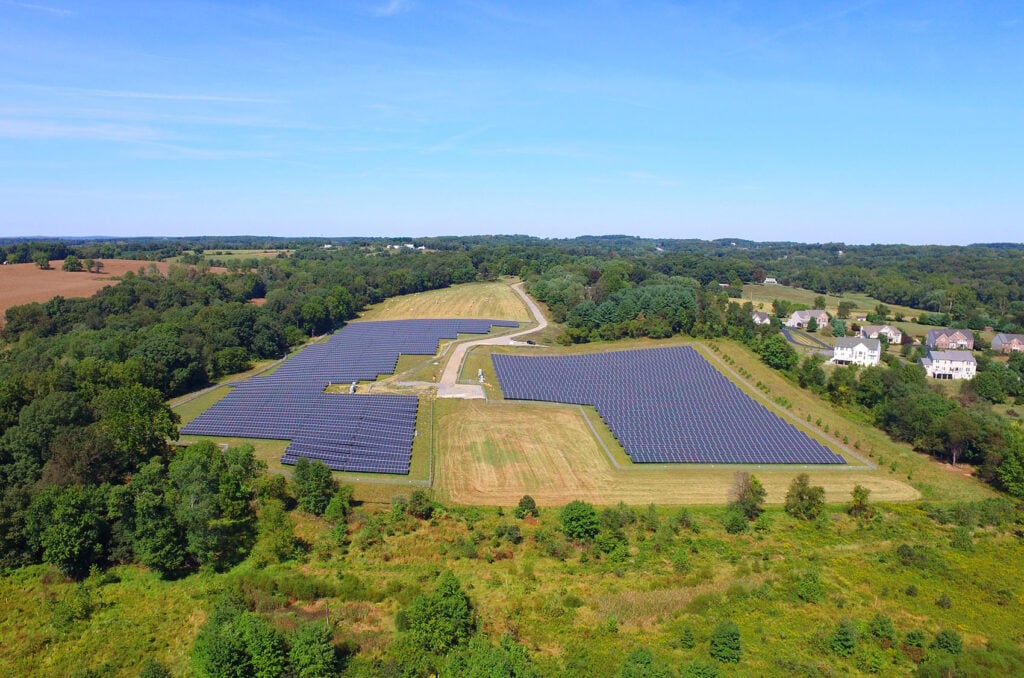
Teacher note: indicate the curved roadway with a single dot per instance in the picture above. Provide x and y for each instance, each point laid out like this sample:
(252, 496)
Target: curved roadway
(448, 386)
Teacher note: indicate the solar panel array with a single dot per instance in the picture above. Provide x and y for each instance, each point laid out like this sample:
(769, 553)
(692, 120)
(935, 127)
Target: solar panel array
(664, 405)
(348, 432)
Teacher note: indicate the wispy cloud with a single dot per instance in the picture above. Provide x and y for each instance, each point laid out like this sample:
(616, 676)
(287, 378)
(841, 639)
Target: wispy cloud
(64, 192)
(165, 150)
(456, 140)
(144, 95)
(393, 7)
(42, 129)
(554, 151)
(55, 11)
(173, 96)
(805, 25)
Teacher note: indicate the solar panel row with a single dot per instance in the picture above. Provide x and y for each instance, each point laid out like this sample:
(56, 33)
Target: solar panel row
(664, 405)
(370, 433)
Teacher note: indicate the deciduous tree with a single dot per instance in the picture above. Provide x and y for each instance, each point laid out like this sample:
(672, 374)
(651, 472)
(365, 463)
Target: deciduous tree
(804, 501)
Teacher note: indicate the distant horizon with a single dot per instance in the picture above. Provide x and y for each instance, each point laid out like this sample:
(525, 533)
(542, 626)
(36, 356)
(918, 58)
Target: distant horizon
(36, 237)
(841, 120)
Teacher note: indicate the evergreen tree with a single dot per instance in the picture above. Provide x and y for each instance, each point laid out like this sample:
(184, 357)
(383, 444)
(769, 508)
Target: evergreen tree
(725, 643)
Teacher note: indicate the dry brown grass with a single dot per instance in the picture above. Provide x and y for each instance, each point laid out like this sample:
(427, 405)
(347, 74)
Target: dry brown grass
(25, 283)
(471, 300)
(494, 453)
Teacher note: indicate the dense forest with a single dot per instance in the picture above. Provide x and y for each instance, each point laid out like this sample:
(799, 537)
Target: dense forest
(90, 477)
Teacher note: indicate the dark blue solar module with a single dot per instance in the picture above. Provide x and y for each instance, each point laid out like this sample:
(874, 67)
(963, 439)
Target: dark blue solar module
(664, 405)
(371, 433)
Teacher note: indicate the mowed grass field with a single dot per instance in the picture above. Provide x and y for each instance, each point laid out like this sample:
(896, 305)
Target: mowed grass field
(492, 453)
(471, 300)
(763, 295)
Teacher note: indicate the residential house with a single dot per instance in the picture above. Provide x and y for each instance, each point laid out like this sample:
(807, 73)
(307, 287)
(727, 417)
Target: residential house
(771, 281)
(947, 338)
(801, 318)
(893, 334)
(857, 351)
(950, 364)
(1006, 343)
(761, 318)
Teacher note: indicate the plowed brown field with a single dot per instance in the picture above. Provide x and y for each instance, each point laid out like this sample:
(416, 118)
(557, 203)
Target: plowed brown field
(24, 283)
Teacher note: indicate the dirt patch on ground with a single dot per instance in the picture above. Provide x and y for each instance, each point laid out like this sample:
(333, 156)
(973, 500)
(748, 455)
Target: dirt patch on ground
(25, 283)
(493, 454)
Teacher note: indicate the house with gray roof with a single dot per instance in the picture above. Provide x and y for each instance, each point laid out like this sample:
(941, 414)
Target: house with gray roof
(893, 334)
(949, 364)
(857, 351)
(1008, 343)
(947, 338)
(801, 318)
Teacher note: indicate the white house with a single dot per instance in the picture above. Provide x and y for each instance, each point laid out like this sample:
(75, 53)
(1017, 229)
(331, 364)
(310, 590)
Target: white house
(771, 281)
(950, 364)
(1006, 343)
(761, 318)
(857, 351)
(801, 318)
(893, 334)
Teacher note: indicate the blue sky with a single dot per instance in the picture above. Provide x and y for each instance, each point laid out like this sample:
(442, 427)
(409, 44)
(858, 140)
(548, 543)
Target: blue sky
(860, 122)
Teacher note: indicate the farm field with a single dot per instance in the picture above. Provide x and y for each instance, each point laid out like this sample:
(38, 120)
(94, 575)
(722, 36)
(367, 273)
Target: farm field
(494, 300)
(228, 255)
(763, 295)
(25, 283)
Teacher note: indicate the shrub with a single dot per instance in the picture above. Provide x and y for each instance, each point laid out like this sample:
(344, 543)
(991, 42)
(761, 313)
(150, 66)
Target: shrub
(527, 507)
(154, 669)
(683, 519)
(882, 628)
(686, 638)
(340, 505)
(948, 641)
(420, 505)
(725, 643)
(962, 539)
(314, 485)
(914, 638)
(748, 495)
(809, 588)
(312, 653)
(681, 561)
(734, 521)
(579, 521)
(699, 669)
(843, 640)
(441, 620)
(804, 501)
(641, 664)
(513, 534)
(944, 602)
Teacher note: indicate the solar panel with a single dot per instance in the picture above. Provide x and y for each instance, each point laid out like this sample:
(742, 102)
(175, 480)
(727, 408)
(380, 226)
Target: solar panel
(665, 405)
(348, 432)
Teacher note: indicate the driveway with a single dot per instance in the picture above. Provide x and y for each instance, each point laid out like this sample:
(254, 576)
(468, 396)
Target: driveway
(448, 386)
